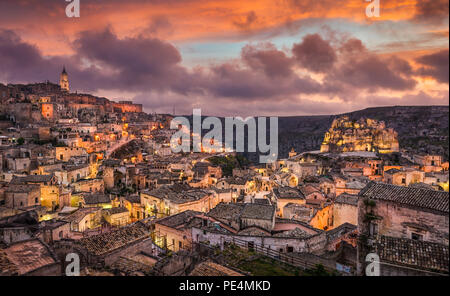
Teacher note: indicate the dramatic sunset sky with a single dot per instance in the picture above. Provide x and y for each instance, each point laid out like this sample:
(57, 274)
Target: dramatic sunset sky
(234, 57)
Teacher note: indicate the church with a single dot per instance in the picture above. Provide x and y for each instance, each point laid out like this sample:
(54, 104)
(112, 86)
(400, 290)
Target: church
(64, 80)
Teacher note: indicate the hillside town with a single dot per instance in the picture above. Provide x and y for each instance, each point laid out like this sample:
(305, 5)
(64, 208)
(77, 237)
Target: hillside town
(85, 175)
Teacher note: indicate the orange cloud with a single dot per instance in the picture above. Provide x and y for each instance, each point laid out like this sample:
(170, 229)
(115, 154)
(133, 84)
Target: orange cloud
(189, 19)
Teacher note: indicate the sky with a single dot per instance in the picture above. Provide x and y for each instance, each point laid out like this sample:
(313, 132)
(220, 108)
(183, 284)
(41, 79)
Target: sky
(234, 58)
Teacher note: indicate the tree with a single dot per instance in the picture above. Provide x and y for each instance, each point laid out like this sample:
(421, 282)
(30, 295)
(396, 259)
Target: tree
(20, 141)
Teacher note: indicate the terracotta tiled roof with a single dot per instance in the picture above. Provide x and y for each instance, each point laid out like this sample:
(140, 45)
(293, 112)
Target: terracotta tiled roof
(22, 188)
(79, 215)
(181, 219)
(296, 232)
(413, 253)
(96, 198)
(348, 199)
(106, 242)
(28, 256)
(417, 197)
(258, 211)
(288, 193)
(209, 268)
(117, 210)
(6, 266)
(31, 179)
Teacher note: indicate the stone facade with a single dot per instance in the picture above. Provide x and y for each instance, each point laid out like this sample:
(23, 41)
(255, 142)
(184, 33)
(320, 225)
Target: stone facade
(362, 135)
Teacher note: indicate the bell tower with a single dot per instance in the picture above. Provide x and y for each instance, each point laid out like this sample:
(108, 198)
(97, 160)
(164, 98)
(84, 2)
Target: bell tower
(64, 80)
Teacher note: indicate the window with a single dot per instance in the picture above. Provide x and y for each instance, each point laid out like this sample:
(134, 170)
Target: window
(403, 181)
(60, 234)
(373, 229)
(416, 236)
(290, 249)
(36, 200)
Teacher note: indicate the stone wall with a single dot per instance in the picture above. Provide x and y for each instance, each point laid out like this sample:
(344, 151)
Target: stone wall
(344, 213)
(401, 221)
(310, 244)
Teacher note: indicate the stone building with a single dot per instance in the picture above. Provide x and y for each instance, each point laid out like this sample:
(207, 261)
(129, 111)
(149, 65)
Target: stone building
(169, 200)
(22, 196)
(362, 135)
(174, 232)
(106, 248)
(29, 258)
(345, 210)
(116, 216)
(391, 217)
(404, 212)
(83, 219)
(49, 189)
(244, 215)
(409, 257)
(404, 176)
(66, 153)
(64, 80)
(287, 195)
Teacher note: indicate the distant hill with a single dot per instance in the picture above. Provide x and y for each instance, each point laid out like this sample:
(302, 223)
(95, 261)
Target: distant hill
(420, 128)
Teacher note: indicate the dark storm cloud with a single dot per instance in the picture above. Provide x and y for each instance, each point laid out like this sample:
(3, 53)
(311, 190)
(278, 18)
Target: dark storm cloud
(352, 46)
(268, 59)
(314, 53)
(435, 65)
(361, 69)
(373, 73)
(263, 74)
(134, 62)
(230, 80)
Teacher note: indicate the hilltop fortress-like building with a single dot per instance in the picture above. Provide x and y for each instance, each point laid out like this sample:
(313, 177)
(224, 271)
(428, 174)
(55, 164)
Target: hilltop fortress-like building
(49, 102)
(365, 134)
(64, 80)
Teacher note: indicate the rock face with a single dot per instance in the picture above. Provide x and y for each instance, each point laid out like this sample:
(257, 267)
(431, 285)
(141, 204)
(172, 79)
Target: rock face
(362, 135)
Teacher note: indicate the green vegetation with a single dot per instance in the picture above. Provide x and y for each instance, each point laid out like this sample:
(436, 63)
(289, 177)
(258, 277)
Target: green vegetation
(370, 217)
(20, 141)
(265, 266)
(319, 270)
(369, 203)
(256, 264)
(60, 144)
(229, 162)
(45, 142)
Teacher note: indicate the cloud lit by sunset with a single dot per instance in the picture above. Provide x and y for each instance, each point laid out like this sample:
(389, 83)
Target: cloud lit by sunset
(268, 57)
